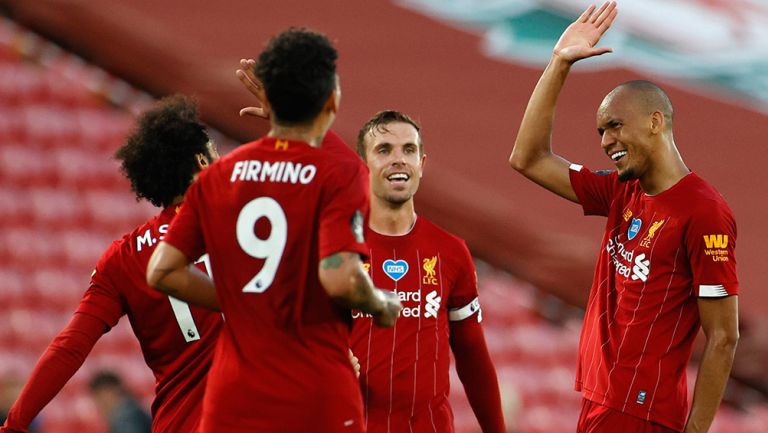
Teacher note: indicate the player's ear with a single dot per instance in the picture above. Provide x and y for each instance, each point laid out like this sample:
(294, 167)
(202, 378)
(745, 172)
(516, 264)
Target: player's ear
(421, 166)
(657, 122)
(334, 99)
(202, 161)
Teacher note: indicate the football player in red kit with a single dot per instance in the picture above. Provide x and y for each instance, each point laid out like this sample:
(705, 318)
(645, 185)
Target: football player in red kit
(161, 158)
(666, 265)
(282, 221)
(404, 370)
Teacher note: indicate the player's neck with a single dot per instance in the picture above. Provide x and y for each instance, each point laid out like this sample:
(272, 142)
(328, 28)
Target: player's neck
(665, 173)
(390, 220)
(312, 133)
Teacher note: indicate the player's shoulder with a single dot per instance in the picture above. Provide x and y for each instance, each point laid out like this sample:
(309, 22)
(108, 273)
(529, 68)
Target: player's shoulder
(437, 234)
(139, 240)
(703, 196)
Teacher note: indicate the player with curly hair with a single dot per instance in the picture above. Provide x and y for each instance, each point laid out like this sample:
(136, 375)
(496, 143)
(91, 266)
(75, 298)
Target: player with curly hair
(161, 159)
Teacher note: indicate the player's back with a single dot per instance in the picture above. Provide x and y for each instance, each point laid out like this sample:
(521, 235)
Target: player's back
(177, 340)
(265, 212)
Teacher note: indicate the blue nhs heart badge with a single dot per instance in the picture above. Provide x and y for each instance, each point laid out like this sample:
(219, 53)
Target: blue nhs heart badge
(395, 269)
(634, 228)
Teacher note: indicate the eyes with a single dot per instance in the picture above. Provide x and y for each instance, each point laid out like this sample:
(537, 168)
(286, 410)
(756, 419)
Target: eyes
(613, 124)
(386, 149)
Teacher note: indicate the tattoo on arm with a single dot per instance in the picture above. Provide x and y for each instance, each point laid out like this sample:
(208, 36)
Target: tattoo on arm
(332, 262)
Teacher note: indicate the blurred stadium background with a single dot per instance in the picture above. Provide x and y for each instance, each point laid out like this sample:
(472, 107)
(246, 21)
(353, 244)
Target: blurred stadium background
(73, 75)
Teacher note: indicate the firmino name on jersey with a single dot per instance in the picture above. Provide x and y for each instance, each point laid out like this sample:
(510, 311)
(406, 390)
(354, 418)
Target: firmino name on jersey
(280, 172)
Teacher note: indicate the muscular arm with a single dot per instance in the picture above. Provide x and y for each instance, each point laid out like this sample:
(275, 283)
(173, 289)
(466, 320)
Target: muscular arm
(477, 374)
(172, 273)
(532, 153)
(59, 363)
(346, 282)
(720, 322)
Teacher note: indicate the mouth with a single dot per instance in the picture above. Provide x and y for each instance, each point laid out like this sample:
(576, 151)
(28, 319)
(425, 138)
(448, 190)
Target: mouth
(617, 156)
(398, 178)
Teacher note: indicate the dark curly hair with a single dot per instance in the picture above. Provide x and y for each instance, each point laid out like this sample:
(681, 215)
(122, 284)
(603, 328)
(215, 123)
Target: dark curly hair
(159, 157)
(298, 70)
(379, 123)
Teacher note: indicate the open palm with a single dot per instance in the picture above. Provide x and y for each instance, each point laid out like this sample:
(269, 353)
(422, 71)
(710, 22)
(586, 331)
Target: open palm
(578, 40)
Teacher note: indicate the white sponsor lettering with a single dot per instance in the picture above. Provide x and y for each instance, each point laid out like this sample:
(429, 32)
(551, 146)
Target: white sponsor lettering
(412, 305)
(626, 263)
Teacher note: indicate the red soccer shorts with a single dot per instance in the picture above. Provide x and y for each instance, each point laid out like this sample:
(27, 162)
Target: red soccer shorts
(596, 418)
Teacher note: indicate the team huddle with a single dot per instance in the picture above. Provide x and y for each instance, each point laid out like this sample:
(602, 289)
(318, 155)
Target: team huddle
(290, 286)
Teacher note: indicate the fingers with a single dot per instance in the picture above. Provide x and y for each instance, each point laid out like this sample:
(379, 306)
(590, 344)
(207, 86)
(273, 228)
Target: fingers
(585, 16)
(250, 84)
(604, 13)
(608, 21)
(599, 51)
(597, 14)
(247, 64)
(254, 111)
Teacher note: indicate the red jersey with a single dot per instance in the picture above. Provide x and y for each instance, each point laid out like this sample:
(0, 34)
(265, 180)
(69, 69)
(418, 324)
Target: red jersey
(404, 369)
(176, 339)
(658, 255)
(266, 214)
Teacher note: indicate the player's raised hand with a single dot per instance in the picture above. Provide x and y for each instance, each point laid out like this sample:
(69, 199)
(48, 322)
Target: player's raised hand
(248, 78)
(391, 310)
(579, 39)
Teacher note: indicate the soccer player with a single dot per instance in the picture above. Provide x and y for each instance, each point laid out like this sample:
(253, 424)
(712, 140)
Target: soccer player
(666, 265)
(282, 221)
(404, 370)
(161, 158)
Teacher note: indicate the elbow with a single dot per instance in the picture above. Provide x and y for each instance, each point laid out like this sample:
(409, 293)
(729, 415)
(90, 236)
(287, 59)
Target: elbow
(516, 162)
(150, 276)
(519, 161)
(155, 279)
(726, 342)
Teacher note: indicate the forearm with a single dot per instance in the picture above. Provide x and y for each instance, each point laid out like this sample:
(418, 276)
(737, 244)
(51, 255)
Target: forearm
(362, 295)
(535, 133)
(478, 375)
(56, 366)
(189, 284)
(711, 380)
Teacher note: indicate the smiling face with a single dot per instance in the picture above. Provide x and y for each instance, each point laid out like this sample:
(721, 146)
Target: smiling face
(635, 125)
(626, 134)
(394, 158)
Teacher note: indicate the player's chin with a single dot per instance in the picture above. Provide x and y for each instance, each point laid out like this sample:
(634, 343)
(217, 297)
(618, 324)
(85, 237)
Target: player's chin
(626, 174)
(398, 197)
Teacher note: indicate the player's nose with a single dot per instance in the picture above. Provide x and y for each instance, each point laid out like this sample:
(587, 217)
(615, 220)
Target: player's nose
(607, 140)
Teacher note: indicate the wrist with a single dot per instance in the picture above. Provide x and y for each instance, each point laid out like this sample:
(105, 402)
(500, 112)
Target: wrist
(557, 61)
(378, 302)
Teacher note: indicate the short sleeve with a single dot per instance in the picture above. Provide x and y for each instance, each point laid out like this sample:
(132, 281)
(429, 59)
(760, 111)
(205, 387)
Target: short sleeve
(345, 211)
(464, 301)
(711, 245)
(103, 299)
(185, 232)
(595, 189)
